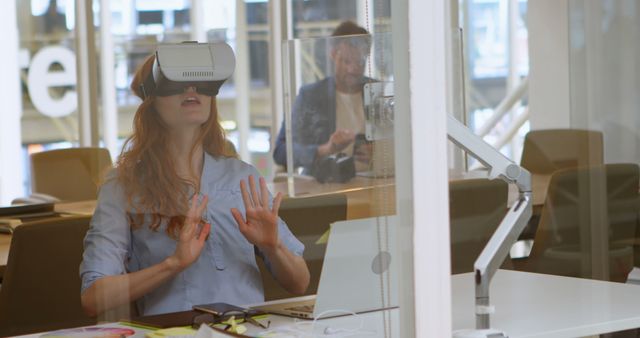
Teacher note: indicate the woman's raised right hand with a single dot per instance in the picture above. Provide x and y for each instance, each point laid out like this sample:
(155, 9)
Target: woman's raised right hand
(191, 241)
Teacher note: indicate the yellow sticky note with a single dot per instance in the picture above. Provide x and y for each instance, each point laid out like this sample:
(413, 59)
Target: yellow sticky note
(235, 327)
(324, 238)
(172, 332)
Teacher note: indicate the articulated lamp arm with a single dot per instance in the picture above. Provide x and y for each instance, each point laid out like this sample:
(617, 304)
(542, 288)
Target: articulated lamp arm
(510, 227)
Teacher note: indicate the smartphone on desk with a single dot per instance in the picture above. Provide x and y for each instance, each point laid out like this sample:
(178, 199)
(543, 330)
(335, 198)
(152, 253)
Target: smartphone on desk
(218, 309)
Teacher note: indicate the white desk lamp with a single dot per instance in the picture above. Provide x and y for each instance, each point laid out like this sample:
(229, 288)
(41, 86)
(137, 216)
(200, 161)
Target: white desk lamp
(507, 232)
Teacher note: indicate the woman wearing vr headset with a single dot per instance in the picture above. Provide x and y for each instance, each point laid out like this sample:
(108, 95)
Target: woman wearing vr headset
(179, 220)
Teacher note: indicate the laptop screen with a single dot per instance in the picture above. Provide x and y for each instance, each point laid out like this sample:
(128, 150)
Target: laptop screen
(360, 271)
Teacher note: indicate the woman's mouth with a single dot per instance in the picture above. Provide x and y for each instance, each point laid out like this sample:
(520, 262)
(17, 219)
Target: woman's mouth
(191, 100)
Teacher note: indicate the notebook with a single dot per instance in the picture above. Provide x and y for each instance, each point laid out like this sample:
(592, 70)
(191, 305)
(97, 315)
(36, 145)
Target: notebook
(359, 273)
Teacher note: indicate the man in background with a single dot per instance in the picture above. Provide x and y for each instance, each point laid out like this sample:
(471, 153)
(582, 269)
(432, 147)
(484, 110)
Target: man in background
(328, 115)
(53, 21)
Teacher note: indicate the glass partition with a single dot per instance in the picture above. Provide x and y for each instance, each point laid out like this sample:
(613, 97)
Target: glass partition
(48, 69)
(600, 236)
(496, 66)
(582, 153)
(48, 77)
(337, 139)
(352, 185)
(337, 134)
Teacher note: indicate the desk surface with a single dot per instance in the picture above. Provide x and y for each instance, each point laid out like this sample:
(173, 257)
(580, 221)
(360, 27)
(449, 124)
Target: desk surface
(527, 305)
(371, 324)
(537, 305)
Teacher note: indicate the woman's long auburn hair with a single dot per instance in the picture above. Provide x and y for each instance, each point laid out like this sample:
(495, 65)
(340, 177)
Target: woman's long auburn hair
(146, 171)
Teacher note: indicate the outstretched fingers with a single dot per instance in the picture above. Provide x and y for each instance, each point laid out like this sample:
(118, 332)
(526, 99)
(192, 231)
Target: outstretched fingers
(237, 215)
(204, 232)
(189, 223)
(196, 209)
(257, 201)
(276, 204)
(194, 214)
(254, 192)
(246, 199)
(264, 193)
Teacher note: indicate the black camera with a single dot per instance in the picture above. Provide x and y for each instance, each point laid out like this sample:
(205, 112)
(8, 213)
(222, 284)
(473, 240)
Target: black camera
(338, 168)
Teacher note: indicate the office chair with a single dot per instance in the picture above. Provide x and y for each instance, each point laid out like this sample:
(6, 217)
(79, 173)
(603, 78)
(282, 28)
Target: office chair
(588, 223)
(308, 219)
(476, 208)
(41, 286)
(545, 151)
(72, 174)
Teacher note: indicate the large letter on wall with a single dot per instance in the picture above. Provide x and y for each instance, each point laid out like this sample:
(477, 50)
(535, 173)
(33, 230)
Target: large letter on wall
(40, 79)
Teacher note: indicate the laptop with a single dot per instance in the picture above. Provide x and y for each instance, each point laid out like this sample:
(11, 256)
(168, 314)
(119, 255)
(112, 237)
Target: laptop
(359, 273)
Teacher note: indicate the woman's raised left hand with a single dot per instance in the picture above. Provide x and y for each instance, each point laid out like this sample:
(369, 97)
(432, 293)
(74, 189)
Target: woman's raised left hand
(260, 224)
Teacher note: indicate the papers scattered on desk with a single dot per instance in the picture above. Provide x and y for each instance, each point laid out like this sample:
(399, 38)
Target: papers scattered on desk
(172, 332)
(207, 332)
(187, 332)
(130, 330)
(104, 330)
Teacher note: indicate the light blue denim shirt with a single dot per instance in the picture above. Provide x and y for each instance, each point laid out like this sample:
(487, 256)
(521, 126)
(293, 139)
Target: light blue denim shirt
(226, 270)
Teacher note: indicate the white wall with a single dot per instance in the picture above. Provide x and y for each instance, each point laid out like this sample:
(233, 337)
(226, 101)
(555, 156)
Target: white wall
(549, 99)
(419, 62)
(11, 172)
(585, 72)
(604, 59)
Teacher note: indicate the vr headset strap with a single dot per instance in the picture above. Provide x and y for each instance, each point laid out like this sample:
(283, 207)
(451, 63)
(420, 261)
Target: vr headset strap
(148, 87)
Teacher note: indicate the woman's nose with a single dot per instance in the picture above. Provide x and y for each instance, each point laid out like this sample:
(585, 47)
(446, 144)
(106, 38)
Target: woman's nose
(190, 88)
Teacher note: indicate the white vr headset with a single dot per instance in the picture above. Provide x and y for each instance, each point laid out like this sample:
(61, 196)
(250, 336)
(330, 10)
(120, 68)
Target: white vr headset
(177, 66)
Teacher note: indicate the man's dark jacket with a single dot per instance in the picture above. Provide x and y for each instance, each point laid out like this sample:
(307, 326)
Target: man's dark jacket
(313, 120)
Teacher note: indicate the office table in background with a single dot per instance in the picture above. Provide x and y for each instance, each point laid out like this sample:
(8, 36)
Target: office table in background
(76, 208)
(366, 197)
(539, 184)
(61, 209)
(369, 197)
(5, 243)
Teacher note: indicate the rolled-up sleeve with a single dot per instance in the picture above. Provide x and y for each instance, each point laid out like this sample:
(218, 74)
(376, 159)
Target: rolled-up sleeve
(288, 240)
(107, 243)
